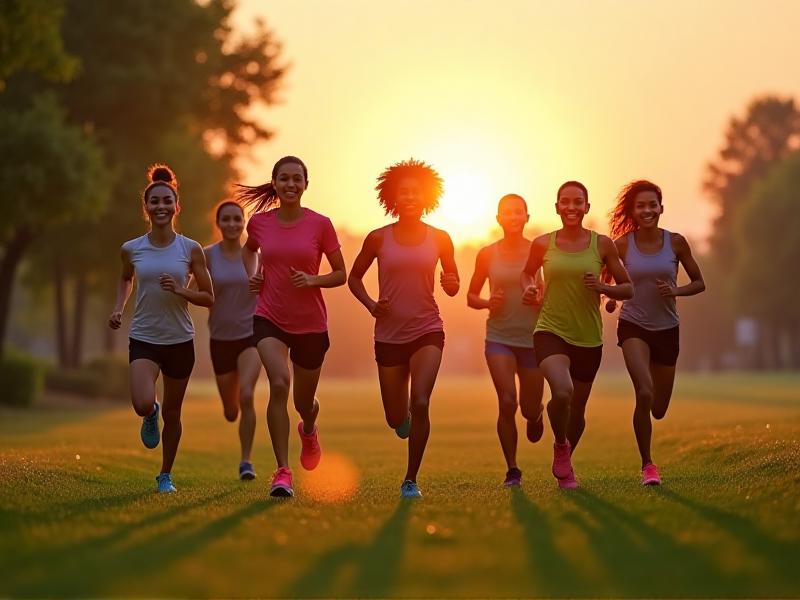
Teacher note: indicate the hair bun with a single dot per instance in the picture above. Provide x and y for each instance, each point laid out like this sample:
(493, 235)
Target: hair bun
(161, 173)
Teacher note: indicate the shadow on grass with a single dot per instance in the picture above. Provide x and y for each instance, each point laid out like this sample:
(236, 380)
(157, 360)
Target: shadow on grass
(552, 574)
(643, 561)
(376, 564)
(95, 566)
(779, 558)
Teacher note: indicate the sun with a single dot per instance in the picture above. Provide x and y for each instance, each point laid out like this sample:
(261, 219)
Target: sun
(467, 208)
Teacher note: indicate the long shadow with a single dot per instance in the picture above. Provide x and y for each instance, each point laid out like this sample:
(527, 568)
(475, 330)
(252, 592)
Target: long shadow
(780, 558)
(376, 564)
(642, 561)
(87, 567)
(552, 574)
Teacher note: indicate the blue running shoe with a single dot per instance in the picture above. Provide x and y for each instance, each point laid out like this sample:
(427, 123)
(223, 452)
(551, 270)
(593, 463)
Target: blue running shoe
(151, 436)
(165, 483)
(404, 429)
(409, 489)
(246, 471)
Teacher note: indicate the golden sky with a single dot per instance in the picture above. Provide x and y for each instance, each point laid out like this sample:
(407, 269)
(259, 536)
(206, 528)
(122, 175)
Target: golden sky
(517, 96)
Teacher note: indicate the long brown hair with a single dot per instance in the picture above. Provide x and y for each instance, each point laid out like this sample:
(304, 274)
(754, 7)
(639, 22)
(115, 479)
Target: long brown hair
(622, 221)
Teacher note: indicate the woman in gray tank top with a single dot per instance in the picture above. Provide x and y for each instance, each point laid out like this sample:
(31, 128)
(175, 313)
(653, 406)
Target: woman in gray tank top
(509, 330)
(648, 327)
(161, 331)
(230, 323)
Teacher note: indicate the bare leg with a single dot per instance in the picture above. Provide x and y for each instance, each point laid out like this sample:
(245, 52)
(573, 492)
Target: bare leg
(228, 386)
(502, 368)
(577, 411)
(143, 376)
(394, 393)
(531, 387)
(249, 366)
(275, 357)
(637, 360)
(174, 391)
(305, 388)
(663, 380)
(424, 366)
(555, 369)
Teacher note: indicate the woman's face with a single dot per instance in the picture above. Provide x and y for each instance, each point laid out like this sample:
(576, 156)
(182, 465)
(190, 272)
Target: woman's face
(572, 206)
(410, 201)
(290, 183)
(161, 205)
(231, 222)
(647, 209)
(512, 215)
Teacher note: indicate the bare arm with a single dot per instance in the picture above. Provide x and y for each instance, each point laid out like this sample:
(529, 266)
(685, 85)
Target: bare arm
(368, 253)
(124, 287)
(623, 290)
(447, 256)
(529, 279)
(204, 294)
(696, 283)
(479, 277)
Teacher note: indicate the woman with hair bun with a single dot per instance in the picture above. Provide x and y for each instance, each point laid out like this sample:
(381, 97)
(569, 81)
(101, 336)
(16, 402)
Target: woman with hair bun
(409, 333)
(290, 321)
(230, 323)
(161, 331)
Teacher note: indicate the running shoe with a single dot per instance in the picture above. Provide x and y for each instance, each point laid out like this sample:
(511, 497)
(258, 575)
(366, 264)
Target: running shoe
(569, 482)
(246, 471)
(409, 489)
(535, 429)
(310, 452)
(150, 434)
(282, 483)
(650, 475)
(562, 463)
(164, 481)
(404, 428)
(513, 477)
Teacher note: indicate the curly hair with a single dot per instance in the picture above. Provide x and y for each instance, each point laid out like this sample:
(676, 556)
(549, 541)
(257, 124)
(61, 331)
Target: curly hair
(621, 216)
(429, 180)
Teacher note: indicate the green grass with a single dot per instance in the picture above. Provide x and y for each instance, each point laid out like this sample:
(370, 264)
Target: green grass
(725, 524)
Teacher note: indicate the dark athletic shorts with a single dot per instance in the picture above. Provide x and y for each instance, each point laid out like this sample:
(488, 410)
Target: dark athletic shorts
(225, 353)
(525, 357)
(395, 355)
(664, 344)
(583, 362)
(307, 350)
(174, 360)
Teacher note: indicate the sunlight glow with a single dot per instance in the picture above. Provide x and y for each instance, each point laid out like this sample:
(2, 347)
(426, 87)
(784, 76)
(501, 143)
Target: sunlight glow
(334, 480)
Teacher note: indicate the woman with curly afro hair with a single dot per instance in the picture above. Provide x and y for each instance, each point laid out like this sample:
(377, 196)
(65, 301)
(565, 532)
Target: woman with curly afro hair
(409, 333)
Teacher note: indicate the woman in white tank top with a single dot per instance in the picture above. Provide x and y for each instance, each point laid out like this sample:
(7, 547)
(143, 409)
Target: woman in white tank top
(648, 328)
(161, 332)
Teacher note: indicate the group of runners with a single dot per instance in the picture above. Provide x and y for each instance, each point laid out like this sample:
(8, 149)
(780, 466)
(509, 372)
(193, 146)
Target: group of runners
(266, 309)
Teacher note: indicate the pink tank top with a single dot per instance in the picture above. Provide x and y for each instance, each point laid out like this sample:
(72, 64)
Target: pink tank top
(405, 279)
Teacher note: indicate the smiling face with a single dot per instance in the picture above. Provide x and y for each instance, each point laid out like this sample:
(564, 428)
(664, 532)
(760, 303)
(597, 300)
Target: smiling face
(161, 205)
(231, 222)
(410, 200)
(512, 215)
(290, 183)
(646, 210)
(572, 206)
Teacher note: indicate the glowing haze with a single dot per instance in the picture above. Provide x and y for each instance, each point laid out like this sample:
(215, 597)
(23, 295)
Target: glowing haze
(517, 96)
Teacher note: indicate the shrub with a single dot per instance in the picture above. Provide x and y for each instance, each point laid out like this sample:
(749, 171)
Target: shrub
(102, 377)
(20, 379)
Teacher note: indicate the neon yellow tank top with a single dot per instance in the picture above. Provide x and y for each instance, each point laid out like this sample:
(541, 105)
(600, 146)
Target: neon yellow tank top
(570, 310)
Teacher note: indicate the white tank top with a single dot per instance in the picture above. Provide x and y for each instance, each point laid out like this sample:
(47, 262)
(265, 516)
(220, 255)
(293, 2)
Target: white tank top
(160, 317)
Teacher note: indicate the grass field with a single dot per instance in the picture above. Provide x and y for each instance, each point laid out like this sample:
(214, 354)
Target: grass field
(79, 516)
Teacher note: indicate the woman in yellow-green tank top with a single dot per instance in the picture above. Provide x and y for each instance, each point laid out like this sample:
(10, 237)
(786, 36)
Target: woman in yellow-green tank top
(568, 339)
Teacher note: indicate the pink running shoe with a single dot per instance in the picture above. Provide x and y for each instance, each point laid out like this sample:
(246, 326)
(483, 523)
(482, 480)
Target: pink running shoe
(310, 452)
(650, 475)
(282, 483)
(562, 462)
(569, 482)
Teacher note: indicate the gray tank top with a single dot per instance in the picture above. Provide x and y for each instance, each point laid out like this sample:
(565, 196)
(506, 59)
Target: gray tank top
(160, 317)
(649, 309)
(231, 316)
(512, 325)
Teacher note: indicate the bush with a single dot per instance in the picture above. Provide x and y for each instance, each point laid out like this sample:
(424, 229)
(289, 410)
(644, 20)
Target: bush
(20, 379)
(102, 377)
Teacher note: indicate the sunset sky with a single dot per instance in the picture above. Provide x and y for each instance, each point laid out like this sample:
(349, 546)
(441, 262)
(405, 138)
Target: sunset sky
(517, 96)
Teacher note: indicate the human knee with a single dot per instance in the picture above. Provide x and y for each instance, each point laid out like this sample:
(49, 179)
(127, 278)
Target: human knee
(279, 388)
(419, 406)
(246, 400)
(171, 416)
(644, 397)
(659, 412)
(508, 406)
(231, 413)
(562, 396)
(395, 419)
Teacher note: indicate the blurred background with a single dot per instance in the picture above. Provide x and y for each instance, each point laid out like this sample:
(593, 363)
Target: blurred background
(513, 97)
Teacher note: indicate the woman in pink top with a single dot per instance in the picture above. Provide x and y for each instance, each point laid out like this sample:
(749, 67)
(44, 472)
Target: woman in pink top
(290, 320)
(409, 335)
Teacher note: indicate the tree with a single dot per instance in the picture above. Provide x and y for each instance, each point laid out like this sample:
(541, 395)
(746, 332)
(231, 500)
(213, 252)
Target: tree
(52, 174)
(768, 225)
(30, 40)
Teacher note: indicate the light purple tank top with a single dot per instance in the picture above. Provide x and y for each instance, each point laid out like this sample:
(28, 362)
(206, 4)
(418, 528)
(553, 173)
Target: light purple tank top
(231, 316)
(405, 279)
(648, 309)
